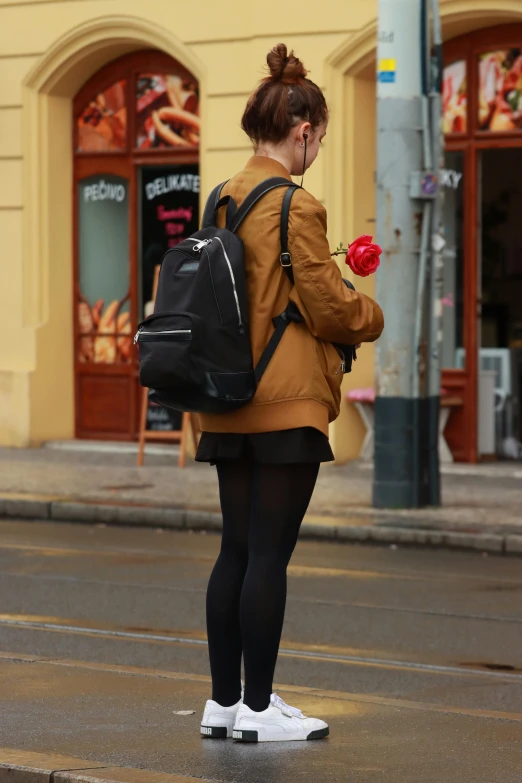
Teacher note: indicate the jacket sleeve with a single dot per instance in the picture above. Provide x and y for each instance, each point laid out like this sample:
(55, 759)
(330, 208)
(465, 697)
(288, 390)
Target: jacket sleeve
(333, 312)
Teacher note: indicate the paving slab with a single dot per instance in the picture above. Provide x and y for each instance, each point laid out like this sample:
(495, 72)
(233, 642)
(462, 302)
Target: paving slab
(123, 775)
(22, 766)
(128, 719)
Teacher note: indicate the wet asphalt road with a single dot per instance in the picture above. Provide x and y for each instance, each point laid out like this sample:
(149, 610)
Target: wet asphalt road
(425, 646)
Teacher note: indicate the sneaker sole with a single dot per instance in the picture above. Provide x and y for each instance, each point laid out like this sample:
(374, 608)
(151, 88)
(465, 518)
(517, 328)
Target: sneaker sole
(214, 732)
(252, 736)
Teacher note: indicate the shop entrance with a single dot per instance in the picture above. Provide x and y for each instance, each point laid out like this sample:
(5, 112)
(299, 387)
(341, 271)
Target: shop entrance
(136, 179)
(482, 302)
(500, 294)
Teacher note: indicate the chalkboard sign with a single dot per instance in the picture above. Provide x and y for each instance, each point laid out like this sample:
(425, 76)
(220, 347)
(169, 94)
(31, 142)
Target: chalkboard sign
(169, 207)
(162, 419)
(169, 199)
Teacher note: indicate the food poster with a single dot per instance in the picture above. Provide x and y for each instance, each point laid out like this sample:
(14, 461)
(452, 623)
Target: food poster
(169, 207)
(102, 125)
(167, 112)
(104, 322)
(500, 90)
(454, 98)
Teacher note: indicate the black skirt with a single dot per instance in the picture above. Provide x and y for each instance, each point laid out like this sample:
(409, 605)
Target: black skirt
(297, 446)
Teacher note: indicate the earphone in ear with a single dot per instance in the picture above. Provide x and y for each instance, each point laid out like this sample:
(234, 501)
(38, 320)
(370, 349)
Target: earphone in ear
(305, 136)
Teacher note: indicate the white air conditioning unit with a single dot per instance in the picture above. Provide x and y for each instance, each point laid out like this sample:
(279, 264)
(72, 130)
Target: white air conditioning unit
(497, 360)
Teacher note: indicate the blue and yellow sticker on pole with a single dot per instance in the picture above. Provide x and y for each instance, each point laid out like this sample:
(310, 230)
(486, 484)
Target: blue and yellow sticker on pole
(387, 70)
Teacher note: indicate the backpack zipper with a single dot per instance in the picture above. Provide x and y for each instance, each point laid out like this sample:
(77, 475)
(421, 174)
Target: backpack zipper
(200, 244)
(160, 332)
(233, 280)
(342, 368)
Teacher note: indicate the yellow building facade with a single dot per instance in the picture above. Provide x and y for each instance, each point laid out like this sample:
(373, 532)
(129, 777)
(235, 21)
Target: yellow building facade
(49, 50)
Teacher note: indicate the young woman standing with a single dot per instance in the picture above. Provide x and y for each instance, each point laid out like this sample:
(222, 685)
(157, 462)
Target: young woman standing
(269, 452)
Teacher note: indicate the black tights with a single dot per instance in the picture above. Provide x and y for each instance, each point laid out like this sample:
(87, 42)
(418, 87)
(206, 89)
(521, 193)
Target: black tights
(263, 506)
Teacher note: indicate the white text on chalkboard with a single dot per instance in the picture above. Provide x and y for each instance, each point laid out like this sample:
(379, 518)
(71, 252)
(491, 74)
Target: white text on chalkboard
(161, 185)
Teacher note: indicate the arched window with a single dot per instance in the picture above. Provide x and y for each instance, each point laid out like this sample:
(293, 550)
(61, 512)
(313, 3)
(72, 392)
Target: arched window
(136, 180)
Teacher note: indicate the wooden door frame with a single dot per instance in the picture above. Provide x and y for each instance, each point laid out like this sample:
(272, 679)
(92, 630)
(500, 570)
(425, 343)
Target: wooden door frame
(463, 383)
(126, 163)
(116, 165)
(472, 142)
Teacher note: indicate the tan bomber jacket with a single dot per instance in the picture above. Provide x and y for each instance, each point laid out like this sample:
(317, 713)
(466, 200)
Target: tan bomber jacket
(302, 384)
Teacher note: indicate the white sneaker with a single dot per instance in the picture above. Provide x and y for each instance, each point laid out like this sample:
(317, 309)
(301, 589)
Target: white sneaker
(218, 721)
(278, 723)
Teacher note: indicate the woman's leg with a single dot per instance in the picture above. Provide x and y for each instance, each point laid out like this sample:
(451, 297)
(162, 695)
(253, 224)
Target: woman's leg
(226, 581)
(280, 497)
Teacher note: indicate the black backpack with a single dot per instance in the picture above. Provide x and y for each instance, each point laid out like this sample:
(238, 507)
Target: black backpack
(194, 351)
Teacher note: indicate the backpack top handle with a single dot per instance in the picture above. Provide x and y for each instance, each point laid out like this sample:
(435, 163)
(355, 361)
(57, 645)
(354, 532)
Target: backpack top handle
(211, 207)
(231, 209)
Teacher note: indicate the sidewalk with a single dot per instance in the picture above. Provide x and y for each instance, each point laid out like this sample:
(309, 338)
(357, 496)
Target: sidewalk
(85, 722)
(481, 503)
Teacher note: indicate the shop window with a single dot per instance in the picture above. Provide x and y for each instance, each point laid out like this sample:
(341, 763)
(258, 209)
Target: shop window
(104, 324)
(500, 238)
(167, 111)
(500, 90)
(169, 203)
(102, 125)
(454, 98)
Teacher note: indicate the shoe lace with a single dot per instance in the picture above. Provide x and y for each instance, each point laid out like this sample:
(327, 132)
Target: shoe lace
(286, 709)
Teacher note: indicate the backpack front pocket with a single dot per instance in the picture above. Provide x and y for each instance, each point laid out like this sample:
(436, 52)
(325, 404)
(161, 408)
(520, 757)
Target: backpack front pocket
(165, 342)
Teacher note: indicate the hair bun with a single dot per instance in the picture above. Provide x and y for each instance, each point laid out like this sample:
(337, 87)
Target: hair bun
(283, 66)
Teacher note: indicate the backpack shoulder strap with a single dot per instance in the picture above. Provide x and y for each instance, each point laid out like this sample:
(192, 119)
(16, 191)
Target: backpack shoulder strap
(257, 193)
(291, 314)
(281, 322)
(285, 257)
(209, 214)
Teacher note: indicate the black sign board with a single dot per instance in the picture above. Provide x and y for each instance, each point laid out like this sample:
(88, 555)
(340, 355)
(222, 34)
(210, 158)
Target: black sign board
(169, 207)
(169, 213)
(162, 419)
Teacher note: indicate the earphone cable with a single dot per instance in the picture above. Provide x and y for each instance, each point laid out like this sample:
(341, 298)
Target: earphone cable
(304, 161)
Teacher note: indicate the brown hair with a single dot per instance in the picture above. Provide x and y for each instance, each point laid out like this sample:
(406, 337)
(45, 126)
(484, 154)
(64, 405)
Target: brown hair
(283, 99)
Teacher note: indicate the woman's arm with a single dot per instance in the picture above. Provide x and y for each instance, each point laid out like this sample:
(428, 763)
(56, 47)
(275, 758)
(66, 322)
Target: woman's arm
(333, 312)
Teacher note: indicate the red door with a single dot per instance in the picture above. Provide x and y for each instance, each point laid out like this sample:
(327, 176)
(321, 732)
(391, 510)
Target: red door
(136, 184)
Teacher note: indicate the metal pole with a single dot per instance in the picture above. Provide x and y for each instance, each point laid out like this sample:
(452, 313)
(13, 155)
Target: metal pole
(437, 262)
(399, 216)
(419, 403)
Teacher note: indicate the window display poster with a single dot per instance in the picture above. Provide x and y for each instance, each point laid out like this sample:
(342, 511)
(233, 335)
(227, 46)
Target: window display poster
(454, 98)
(500, 90)
(169, 212)
(102, 125)
(167, 111)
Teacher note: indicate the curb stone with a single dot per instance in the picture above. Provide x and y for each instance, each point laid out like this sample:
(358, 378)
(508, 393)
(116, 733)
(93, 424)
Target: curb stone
(113, 514)
(514, 544)
(22, 766)
(38, 509)
(202, 520)
(192, 519)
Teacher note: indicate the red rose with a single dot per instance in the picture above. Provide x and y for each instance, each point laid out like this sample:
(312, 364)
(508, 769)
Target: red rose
(363, 257)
